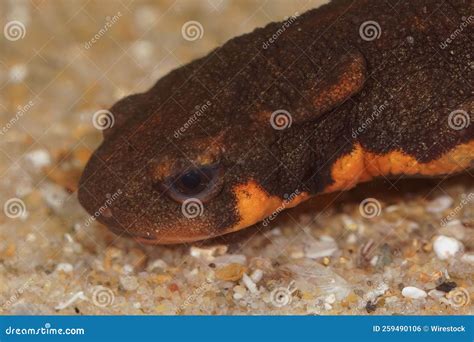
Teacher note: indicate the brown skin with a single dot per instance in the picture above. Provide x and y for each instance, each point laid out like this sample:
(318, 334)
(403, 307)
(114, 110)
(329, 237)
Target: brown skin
(329, 79)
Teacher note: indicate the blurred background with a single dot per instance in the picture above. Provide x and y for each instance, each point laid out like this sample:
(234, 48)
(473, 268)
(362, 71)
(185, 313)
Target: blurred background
(62, 61)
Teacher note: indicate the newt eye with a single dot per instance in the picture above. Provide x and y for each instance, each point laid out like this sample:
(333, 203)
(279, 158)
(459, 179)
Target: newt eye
(203, 183)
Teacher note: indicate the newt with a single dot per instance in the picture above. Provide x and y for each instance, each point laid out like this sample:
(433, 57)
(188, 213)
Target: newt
(314, 104)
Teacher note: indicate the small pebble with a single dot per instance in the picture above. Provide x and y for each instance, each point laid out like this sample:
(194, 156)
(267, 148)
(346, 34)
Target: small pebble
(207, 253)
(239, 292)
(231, 272)
(64, 267)
(439, 204)
(297, 254)
(127, 269)
(54, 195)
(238, 296)
(436, 294)
(413, 292)
(351, 239)
(349, 223)
(370, 307)
(157, 264)
(446, 247)
(320, 249)
(468, 258)
(18, 73)
(230, 258)
(38, 159)
(249, 284)
(129, 283)
(447, 286)
(331, 299)
(257, 275)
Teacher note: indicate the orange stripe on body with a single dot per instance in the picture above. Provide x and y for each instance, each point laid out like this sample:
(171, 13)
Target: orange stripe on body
(361, 166)
(254, 204)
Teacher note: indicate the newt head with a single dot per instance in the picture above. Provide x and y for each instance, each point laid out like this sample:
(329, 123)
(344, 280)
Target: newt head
(215, 146)
(159, 187)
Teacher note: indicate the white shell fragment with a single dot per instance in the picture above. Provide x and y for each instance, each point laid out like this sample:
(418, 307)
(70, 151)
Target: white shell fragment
(413, 292)
(446, 247)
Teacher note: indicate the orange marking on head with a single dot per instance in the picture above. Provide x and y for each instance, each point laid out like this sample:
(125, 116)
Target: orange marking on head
(254, 204)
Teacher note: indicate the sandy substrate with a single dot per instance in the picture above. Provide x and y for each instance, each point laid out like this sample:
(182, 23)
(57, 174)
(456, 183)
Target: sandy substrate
(389, 247)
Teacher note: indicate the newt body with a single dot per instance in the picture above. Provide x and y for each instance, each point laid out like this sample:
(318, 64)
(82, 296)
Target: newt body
(287, 112)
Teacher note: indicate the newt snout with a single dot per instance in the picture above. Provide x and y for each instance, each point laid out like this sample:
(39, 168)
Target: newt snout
(254, 127)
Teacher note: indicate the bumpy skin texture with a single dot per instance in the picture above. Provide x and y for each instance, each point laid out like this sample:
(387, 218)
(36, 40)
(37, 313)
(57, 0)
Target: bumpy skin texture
(360, 108)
